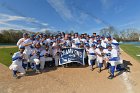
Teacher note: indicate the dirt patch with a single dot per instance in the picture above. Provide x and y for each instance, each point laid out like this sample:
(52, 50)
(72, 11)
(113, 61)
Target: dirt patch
(72, 80)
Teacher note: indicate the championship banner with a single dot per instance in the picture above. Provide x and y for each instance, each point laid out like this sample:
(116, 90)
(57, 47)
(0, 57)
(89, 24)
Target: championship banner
(69, 55)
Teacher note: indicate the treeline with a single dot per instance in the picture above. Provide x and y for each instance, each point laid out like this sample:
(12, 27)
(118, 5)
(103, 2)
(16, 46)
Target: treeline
(12, 36)
(130, 34)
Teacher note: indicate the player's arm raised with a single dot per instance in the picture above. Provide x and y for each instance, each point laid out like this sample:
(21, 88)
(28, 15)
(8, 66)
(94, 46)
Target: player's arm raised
(28, 44)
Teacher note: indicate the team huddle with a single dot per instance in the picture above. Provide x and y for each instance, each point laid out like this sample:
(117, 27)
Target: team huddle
(35, 50)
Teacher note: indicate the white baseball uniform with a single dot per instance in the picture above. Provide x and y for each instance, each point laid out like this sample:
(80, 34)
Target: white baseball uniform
(17, 63)
(44, 58)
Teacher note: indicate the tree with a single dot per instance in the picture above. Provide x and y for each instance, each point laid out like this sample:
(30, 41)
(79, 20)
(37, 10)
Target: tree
(108, 31)
(129, 34)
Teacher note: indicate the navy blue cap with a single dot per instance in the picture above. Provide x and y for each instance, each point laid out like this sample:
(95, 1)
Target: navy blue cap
(78, 44)
(100, 46)
(93, 45)
(31, 46)
(92, 36)
(44, 35)
(98, 36)
(58, 39)
(108, 36)
(87, 45)
(37, 36)
(54, 40)
(22, 47)
(102, 36)
(98, 39)
(25, 34)
(41, 34)
(108, 45)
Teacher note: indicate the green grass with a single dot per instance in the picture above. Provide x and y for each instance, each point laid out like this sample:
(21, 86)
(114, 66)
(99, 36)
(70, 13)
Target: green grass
(132, 50)
(5, 57)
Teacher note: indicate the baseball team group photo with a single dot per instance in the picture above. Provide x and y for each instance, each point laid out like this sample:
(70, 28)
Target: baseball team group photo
(69, 46)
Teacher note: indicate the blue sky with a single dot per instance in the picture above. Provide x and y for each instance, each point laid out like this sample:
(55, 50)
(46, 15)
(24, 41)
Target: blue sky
(78, 15)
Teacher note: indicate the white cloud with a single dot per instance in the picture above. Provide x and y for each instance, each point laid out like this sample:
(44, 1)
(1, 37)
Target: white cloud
(61, 8)
(45, 24)
(5, 20)
(85, 16)
(80, 17)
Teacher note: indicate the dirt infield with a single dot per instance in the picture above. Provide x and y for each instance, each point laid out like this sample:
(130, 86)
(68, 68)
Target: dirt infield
(8, 46)
(73, 80)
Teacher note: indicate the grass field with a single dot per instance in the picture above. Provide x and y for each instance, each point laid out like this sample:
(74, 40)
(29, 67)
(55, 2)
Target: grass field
(5, 57)
(132, 50)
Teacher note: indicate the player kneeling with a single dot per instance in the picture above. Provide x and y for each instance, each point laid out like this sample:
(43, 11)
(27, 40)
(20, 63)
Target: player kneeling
(35, 58)
(45, 57)
(16, 65)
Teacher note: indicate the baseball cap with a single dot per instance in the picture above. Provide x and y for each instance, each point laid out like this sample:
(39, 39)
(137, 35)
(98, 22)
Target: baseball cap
(25, 34)
(87, 45)
(108, 45)
(22, 47)
(93, 45)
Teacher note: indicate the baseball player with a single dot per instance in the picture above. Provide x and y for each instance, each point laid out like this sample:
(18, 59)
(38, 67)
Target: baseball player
(115, 45)
(100, 55)
(66, 41)
(44, 56)
(49, 40)
(83, 39)
(44, 41)
(87, 47)
(35, 58)
(73, 44)
(56, 51)
(109, 39)
(76, 39)
(92, 40)
(37, 40)
(16, 65)
(91, 56)
(21, 41)
(28, 45)
(112, 59)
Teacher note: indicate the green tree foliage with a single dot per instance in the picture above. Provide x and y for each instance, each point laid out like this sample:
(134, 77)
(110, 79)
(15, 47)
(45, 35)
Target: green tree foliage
(11, 36)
